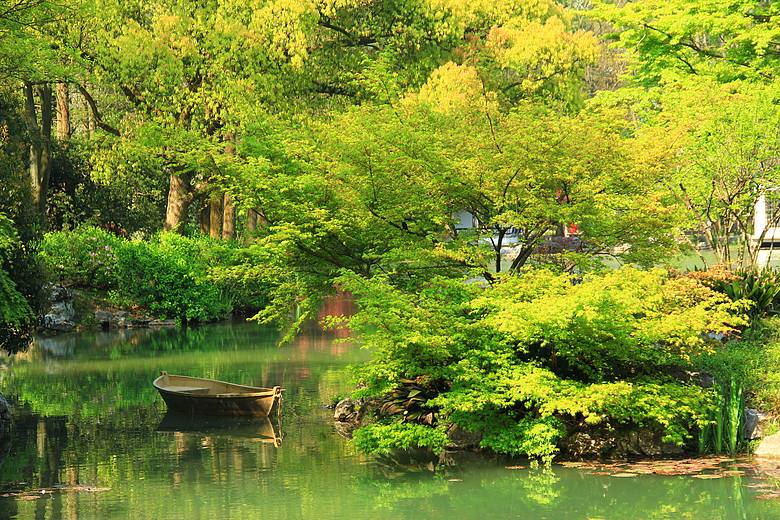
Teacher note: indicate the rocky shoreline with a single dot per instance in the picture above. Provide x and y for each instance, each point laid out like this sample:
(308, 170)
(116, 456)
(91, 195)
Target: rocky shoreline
(591, 443)
(71, 310)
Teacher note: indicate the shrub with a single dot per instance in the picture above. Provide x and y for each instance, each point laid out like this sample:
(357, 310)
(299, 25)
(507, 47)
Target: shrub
(85, 257)
(383, 439)
(533, 437)
(169, 276)
(760, 288)
(243, 277)
(15, 312)
(172, 276)
(751, 362)
(520, 359)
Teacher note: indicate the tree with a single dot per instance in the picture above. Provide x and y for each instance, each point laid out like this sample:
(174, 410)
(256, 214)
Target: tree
(28, 60)
(725, 158)
(735, 39)
(705, 69)
(526, 171)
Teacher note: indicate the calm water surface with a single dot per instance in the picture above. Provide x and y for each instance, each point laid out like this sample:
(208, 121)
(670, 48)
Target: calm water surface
(87, 417)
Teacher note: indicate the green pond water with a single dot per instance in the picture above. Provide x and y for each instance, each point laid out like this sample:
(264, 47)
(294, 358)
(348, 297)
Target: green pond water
(93, 435)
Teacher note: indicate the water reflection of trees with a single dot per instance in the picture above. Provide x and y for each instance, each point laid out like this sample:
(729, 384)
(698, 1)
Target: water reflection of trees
(560, 493)
(101, 377)
(89, 415)
(148, 468)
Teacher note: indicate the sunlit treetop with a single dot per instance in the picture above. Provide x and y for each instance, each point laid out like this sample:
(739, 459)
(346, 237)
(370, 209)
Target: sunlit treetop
(729, 39)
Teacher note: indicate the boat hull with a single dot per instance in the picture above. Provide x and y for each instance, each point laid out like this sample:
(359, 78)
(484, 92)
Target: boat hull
(209, 397)
(205, 405)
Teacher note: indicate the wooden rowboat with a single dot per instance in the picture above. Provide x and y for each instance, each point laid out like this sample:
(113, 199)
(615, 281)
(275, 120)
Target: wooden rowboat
(196, 395)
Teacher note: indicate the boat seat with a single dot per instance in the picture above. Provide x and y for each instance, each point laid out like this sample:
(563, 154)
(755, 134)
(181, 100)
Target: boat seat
(189, 389)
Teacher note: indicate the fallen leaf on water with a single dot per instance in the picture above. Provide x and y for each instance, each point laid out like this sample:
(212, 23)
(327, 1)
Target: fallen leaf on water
(516, 467)
(575, 464)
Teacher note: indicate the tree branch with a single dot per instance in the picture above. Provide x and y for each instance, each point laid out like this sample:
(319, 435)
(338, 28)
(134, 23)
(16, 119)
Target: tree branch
(95, 112)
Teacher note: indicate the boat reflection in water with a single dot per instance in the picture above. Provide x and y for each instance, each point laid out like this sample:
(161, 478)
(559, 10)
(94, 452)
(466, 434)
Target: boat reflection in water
(259, 429)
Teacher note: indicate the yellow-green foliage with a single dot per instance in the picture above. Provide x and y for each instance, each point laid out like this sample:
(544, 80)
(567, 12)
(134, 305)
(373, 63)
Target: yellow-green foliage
(626, 315)
(382, 439)
(537, 354)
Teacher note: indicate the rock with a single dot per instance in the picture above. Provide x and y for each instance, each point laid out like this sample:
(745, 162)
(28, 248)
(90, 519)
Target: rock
(162, 323)
(671, 449)
(701, 379)
(704, 380)
(139, 322)
(754, 421)
(5, 421)
(5, 428)
(349, 410)
(120, 318)
(769, 448)
(638, 443)
(61, 314)
(461, 439)
(345, 429)
(348, 415)
(113, 320)
(103, 317)
(583, 445)
(602, 443)
(5, 412)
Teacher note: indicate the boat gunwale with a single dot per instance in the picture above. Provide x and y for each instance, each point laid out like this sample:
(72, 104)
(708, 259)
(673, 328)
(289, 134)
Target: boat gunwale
(263, 391)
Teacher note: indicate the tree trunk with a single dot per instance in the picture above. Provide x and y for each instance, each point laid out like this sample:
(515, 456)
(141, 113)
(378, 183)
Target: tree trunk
(204, 219)
(251, 221)
(497, 248)
(228, 208)
(40, 144)
(215, 214)
(228, 218)
(178, 202)
(63, 112)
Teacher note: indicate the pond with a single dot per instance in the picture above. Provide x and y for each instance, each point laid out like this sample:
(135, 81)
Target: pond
(91, 439)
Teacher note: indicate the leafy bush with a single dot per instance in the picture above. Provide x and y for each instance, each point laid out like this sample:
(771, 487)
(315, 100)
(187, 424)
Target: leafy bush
(762, 288)
(172, 276)
(534, 437)
(243, 279)
(85, 257)
(383, 439)
(15, 312)
(532, 355)
(751, 363)
(169, 278)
